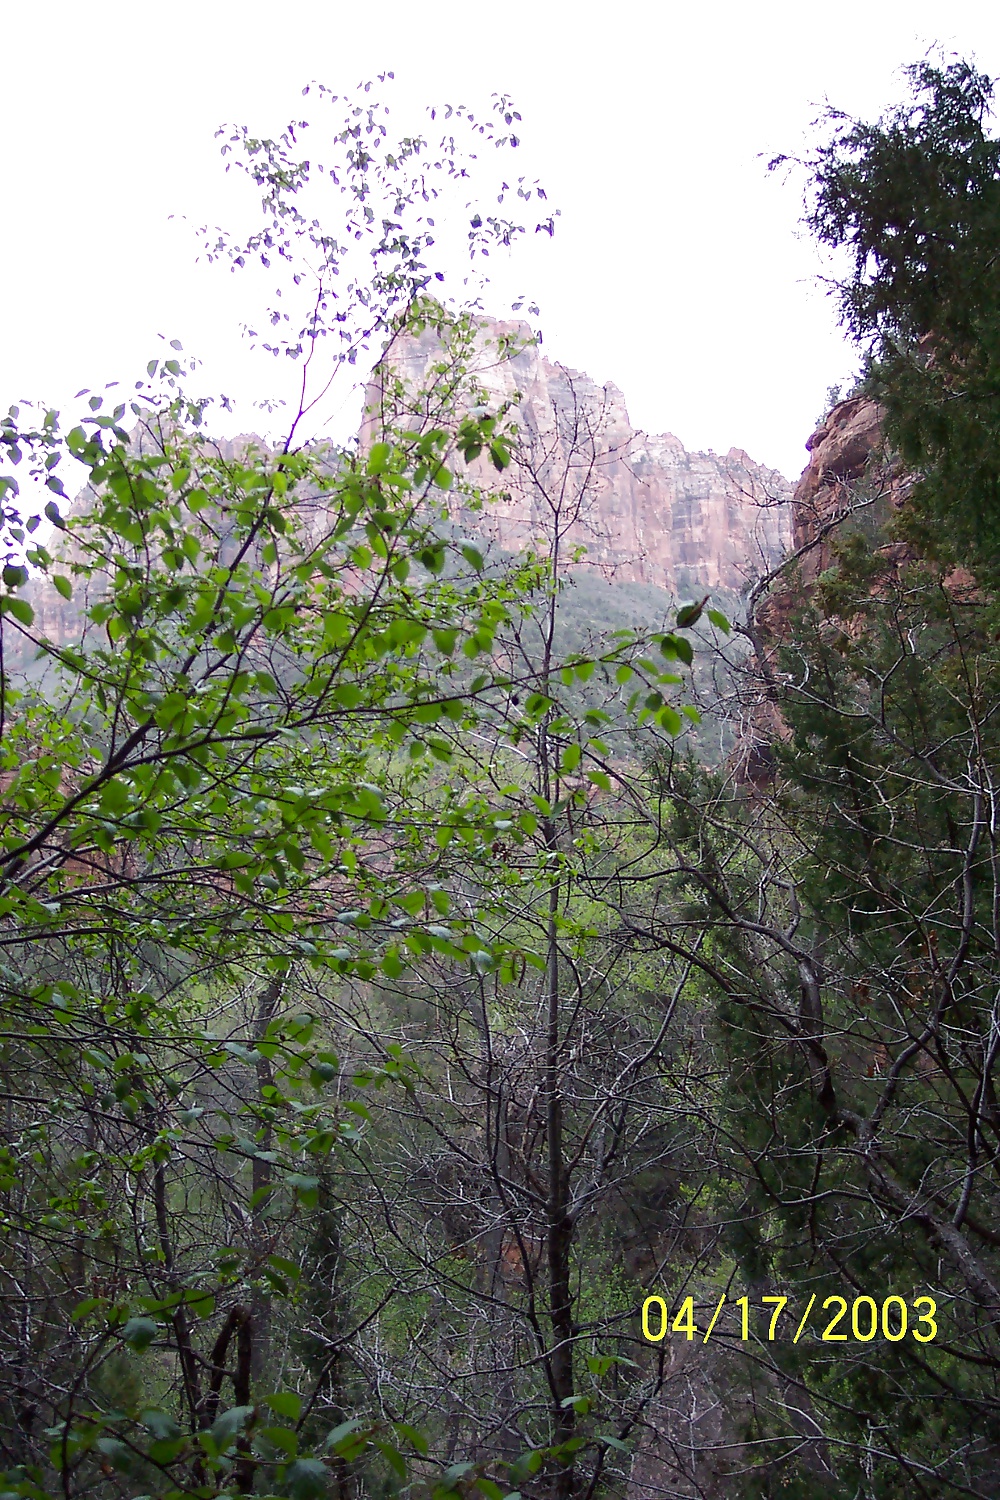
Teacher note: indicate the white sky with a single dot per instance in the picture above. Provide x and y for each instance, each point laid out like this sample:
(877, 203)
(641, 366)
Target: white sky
(676, 271)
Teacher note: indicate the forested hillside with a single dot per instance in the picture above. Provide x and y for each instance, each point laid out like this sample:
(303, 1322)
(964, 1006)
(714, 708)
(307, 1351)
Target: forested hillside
(475, 1024)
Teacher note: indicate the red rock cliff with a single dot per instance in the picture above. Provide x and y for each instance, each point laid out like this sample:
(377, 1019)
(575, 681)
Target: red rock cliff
(647, 510)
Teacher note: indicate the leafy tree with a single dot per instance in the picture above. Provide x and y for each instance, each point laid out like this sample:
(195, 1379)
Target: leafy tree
(248, 788)
(215, 787)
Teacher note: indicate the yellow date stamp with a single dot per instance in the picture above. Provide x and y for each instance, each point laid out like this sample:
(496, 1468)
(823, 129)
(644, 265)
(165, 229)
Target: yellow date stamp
(835, 1321)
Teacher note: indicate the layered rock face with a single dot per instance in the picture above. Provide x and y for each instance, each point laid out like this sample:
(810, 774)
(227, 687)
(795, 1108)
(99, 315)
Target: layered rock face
(846, 449)
(839, 453)
(644, 508)
(635, 508)
(848, 474)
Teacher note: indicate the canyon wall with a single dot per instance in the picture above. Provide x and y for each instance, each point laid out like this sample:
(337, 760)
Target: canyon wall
(646, 509)
(638, 509)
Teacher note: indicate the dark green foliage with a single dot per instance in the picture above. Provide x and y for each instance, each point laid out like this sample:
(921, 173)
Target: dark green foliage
(854, 907)
(915, 201)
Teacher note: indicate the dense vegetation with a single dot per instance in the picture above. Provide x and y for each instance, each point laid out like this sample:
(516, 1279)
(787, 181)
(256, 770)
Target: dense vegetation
(392, 998)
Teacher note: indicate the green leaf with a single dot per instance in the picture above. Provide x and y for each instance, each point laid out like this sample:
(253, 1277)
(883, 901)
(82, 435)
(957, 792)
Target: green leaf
(19, 608)
(294, 1271)
(412, 1435)
(306, 1188)
(392, 964)
(412, 902)
(139, 1333)
(116, 1452)
(341, 1437)
(160, 1423)
(281, 1437)
(393, 1457)
(62, 586)
(690, 615)
(600, 1364)
(445, 640)
(286, 1403)
(677, 646)
(83, 1308)
(530, 1462)
(166, 1450)
(229, 1424)
(200, 1302)
(324, 1072)
(719, 620)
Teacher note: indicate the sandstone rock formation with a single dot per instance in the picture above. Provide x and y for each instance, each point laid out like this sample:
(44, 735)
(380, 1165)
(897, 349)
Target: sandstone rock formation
(840, 452)
(849, 475)
(645, 509)
(847, 472)
(642, 508)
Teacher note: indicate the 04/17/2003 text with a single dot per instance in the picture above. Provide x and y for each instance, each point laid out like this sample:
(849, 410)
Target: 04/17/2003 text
(834, 1320)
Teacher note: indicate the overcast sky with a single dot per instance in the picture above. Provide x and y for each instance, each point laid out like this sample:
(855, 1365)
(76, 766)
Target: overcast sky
(677, 270)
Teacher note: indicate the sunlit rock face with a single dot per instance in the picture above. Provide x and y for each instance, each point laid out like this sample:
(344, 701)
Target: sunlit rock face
(645, 509)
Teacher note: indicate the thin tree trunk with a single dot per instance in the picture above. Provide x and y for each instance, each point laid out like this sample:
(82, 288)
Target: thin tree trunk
(559, 1226)
(262, 1178)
